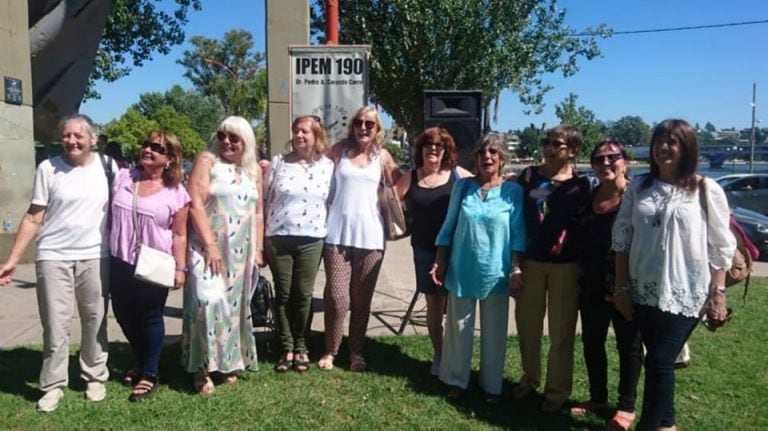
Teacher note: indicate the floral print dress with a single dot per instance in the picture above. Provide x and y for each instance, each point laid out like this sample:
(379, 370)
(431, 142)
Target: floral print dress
(217, 331)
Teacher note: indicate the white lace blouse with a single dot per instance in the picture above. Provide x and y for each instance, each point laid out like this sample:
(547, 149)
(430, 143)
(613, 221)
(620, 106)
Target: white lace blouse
(672, 244)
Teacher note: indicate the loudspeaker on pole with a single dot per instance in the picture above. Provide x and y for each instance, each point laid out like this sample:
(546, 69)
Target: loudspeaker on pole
(459, 112)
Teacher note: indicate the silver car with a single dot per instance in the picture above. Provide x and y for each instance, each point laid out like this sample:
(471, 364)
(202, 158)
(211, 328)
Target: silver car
(748, 191)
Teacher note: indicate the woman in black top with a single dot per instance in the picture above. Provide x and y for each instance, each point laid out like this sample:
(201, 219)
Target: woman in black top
(596, 288)
(426, 191)
(554, 195)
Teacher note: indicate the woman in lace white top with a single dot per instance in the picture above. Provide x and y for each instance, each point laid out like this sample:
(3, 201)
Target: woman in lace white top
(671, 258)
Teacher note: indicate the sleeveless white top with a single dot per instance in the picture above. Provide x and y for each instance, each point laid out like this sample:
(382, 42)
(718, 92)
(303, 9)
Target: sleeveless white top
(354, 219)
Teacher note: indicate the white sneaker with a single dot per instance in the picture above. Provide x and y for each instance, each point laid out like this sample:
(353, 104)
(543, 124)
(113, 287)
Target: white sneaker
(435, 368)
(95, 391)
(50, 401)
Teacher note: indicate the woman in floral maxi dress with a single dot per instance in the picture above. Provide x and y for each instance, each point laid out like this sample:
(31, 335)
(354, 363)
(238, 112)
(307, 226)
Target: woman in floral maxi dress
(225, 249)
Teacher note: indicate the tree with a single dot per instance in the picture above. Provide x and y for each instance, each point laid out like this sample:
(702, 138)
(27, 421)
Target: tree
(592, 130)
(458, 44)
(530, 141)
(230, 71)
(631, 130)
(204, 112)
(132, 128)
(135, 30)
(710, 128)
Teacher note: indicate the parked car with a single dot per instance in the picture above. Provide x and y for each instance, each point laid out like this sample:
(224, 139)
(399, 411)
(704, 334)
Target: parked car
(748, 191)
(755, 225)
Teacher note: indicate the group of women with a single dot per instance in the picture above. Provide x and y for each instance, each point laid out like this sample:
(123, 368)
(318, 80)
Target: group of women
(550, 240)
(647, 256)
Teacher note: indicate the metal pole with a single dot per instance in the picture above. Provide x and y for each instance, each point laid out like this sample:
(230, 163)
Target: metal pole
(332, 22)
(752, 139)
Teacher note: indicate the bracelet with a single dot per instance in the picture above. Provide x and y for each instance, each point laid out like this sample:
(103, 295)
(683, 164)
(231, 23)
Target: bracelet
(623, 289)
(184, 270)
(516, 271)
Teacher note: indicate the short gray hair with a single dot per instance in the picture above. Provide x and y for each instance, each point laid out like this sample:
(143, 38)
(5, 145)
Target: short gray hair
(493, 140)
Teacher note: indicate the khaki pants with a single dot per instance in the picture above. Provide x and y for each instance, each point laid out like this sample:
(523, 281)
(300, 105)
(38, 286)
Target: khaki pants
(550, 288)
(456, 360)
(60, 285)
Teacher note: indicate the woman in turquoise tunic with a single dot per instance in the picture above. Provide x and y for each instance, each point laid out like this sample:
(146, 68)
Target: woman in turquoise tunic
(225, 251)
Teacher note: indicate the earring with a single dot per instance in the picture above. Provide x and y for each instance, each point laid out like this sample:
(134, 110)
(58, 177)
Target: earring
(167, 165)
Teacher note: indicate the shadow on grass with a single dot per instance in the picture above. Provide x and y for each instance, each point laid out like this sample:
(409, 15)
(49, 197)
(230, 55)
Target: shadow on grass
(395, 356)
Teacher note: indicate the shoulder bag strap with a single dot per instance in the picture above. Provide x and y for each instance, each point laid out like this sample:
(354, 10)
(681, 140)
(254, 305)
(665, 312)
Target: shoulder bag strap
(135, 213)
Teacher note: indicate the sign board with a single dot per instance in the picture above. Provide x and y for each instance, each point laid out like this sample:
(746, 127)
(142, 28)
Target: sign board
(330, 81)
(13, 94)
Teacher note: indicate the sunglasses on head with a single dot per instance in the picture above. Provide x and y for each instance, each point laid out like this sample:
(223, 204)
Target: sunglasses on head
(491, 151)
(368, 123)
(430, 144)
(155, 147)
(232, 137)
(611, 158)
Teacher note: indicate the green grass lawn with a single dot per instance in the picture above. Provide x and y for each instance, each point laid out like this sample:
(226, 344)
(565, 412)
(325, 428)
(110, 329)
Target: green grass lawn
(725, 387)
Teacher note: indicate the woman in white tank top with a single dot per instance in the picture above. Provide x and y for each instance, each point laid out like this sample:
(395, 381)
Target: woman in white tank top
(354, 247)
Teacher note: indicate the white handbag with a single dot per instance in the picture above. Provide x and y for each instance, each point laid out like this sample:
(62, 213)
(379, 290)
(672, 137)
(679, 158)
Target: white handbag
(152, 265)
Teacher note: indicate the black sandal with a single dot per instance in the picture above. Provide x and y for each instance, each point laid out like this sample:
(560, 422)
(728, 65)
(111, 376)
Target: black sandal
(300, 361)
(131, 377)
(145, 388)
(284, 364)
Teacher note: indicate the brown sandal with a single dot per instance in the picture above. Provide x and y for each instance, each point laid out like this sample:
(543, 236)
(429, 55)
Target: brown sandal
(357, 363)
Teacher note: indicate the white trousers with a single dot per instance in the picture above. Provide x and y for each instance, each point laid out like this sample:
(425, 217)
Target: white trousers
(457, 341)
(61, 284)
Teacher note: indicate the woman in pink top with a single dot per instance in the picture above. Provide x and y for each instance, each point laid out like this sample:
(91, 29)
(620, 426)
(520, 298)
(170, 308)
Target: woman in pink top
(162, 206)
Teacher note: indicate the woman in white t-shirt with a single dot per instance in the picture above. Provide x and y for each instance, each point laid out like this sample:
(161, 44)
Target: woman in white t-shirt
(296, 194)
(354, 247)
(68, 213)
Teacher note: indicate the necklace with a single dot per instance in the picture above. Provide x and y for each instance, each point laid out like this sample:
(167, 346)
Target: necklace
(661, 203)
(436, 178)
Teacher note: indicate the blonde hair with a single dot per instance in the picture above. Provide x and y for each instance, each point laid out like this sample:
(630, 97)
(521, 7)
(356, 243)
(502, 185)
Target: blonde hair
(321, 139)
(378, 139)
(240, 127)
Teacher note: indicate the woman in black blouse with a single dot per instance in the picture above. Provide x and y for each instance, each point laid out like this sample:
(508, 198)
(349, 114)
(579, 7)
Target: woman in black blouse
(596, 288)
(426, 191)
(554, 195)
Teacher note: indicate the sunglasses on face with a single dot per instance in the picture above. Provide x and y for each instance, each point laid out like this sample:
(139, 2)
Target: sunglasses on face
(553, 143)
(611, 158)
(368, 123)
(234, 139)
(430, 144)
(155, 147)
(491, 151)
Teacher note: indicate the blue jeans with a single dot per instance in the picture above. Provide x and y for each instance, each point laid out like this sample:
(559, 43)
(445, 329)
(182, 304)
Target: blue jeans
(139, 307)
(663, 334)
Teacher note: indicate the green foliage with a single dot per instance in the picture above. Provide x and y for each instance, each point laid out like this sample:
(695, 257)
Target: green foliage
(132, 128)
(229, 71)
(204, 112)
(135, 30)
(709, 127)
(181, 125)
(396, 152)
(485, 45)
(631, 130)
(592, 130)
(530, 139)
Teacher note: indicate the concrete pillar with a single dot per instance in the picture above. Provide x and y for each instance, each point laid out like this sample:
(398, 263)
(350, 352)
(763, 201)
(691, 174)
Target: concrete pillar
(17, 158)
(287, 24)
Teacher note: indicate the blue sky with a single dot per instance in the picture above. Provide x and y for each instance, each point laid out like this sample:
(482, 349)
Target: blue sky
(698, 75)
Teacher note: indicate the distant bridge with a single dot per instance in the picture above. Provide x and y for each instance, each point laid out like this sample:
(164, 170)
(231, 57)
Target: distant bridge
(716, 154)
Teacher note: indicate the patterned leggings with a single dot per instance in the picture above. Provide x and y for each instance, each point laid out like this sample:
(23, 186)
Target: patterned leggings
(351, 275)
